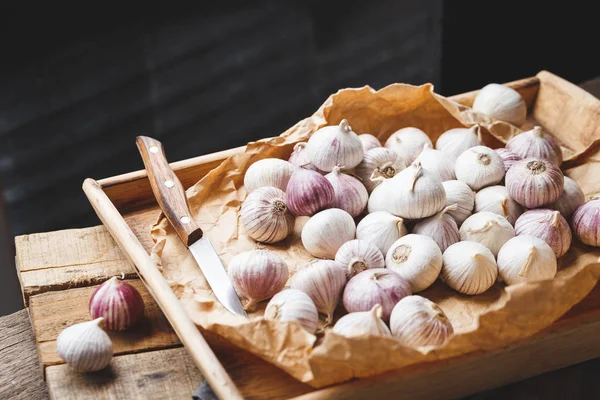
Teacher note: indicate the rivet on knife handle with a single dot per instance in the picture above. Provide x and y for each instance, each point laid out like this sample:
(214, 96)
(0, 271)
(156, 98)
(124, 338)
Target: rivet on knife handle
(168, 190)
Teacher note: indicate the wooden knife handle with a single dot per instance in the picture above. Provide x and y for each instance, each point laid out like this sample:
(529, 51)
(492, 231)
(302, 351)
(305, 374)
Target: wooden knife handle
(168, 190)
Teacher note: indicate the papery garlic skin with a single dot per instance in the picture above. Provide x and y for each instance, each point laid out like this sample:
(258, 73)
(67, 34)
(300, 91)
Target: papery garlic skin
(300, 158)
(508, 157)
(416, 258)
(586, 222)
(375, 286)
(362, 323)
(293, 305)
(408, 143)
(350, 194)
(459, 193)
(525, 259)
(357, 255)
(308, 192)
(257, 275)
(501, 102)
(412, 194)
(325, 232)
(489, 229)
(369, 142)
(335, 145)
(496, 199)
(323, 281)
(534, 182)
(381, 229)
(479, 167)
(437, 162)
(536, 144)
(455, 141)
(378, 163)
(441, 227)
(547, 225)
(85, 346)
(265, 215)
(469, 268)
(419, 322)
(571, 197)
(268, 172)
(119, 303)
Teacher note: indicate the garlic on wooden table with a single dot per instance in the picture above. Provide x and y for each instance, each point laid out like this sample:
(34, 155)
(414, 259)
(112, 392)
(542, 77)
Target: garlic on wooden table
(586, 222)
(300, 158)
(526, 258)
(479, 167)
(293, 305)
(362, 323)
(455, 141)
(535, 143)
(308, 192)
(381, 229)
(570, 198)
(459, 193)
(408, 143)
(501, 102)
(357, 255)
(369, 141)
(508, 157)
(335, 145)
(378, 163)
(119, 303)
(325, 232)
(441, 227)
(85, 346)
(268, 172)
(350, 194)
(469, 268)
(547, 225)
(265, 215)
(534, 182)
(496, 199)
(489, 229)
(437, 162)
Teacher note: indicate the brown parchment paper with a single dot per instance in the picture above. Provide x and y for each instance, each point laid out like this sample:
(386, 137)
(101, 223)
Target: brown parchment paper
(484, 322)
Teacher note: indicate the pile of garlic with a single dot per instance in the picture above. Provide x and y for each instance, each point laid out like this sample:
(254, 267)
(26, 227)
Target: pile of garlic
(477, 215)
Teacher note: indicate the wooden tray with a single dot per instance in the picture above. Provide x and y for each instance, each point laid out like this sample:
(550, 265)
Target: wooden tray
(58, 271)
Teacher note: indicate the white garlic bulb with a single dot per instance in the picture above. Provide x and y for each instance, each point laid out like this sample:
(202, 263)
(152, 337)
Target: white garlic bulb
(85, 346)
(300, 158)
(362, 323)
(586, 222)
(293, 305)
(479, 167)
(547, 225)
(570, 198)
(455, 141)
(378, 163)
(414, 193)
(408, 143)
(497, 200)
(335, 145)
(437, 162)
(526, 258)
(537, 144)
(325, 232)
(534, 182)
(369, 142)
(265, 215)
(489, 229)
(323, 281)
(381, 229)
(268, 172)
(358, 255)
(350, 194)
(501, 102)
(417, 259)
(419, 322)
(459, 193)
(469, 268)
(257, 275)
(441, 227)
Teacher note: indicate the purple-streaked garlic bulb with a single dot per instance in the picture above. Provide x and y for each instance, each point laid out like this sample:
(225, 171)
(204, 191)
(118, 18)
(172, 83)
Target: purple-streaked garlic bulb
(293, 305)
(536, 144)
(381, 229)
(534, 182)
(586, 222)
(459, 193)
(268, 172)
(335, 145)
(526, 258)
(325, 232)
(469, 268)
(265, 215)
(362, 323)
(455, 141)
(438, 162)
(369, 141)
(489, 229)
(501, 102)
(349, 193)
(308, 192)
(378, 164)
(357, 255)
(299, 158)
(119, 303)
(547, 225)
(570, 198)
(508, 157)
(408, 143)
(441, 227)
(497, 200)
(479, 167)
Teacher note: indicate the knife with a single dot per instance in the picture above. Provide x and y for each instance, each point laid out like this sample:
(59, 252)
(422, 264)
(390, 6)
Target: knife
(173, 202)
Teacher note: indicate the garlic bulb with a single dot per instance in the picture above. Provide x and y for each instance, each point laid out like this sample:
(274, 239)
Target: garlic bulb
(441, 227)
(323, 281)
(348, 193)
(369, 142)
(535, 144)
(526, 258)
(308, 192)
(419, 322)
(497, 200)
(265, 215)
(469, 268)
(325, 232)
(358, 255)
(547, 225)
(489, 229)
(455, 141)
(335, 145)
(299, 158)
(534, 182)
(362, 323)
(479, 167)
(414, 193)
(417, 259)
(257, 275)
(586, 222)
(508, 158)
(381, 229)
(501, 102)
(378, 163)
(119, 303)
(570, 198)
(408, 143)
(268, 172)
(438, 162)
(459, 193)
(85, 346)
(375, 286)
(293, 305)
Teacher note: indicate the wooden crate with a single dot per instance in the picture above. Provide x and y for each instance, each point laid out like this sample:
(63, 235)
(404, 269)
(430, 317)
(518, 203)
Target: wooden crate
(59, 270)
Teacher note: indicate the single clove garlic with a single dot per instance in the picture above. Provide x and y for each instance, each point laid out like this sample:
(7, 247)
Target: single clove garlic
(300, 158)
(378, 163)
(535, 144)
(547, 225)
(479, 167)
(526, 258)
(459, 193)
(441, 227)
(357, 255)
(369, 142)
(335, 145)
(534, 182)
(119, 303)
(508, 157)
(489, 229)
(469, 268)
(408, 143)
(586, 222)
(325, 232)
(437, 162)
(570, 198)
(268, 172)
(455, 141)
(308, 192)
(85, 346)
(497, 200)
(501, 102)
(362, 323)
(265, 215)
(381, 229)
(293, 305)
(350, 194)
